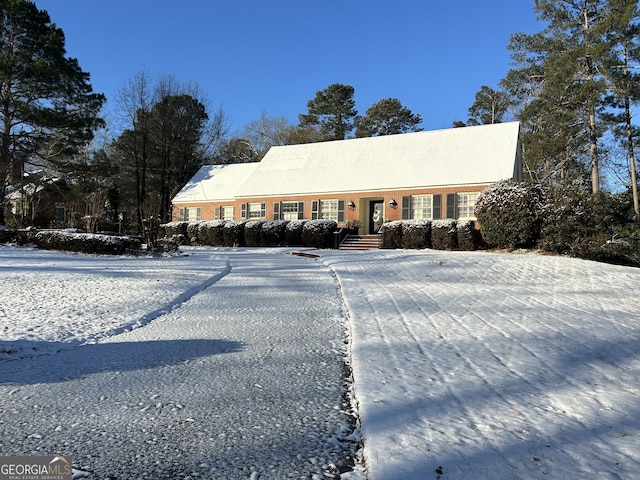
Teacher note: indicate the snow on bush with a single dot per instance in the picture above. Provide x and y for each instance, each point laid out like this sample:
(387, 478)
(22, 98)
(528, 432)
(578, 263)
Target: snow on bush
(466, 235)
(319, 233)
(511, 214)
(293, 233)
(211, 233)
(272, 233)
(444, 234)
(416, 234)
(233, 234)
(74, 241)
(392, 234)
(252, 233)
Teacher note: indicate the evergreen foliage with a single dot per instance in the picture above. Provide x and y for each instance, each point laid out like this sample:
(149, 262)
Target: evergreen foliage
(511, 214)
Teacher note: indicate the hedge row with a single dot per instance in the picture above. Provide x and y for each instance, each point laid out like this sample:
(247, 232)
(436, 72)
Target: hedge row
(228, 233)
(435, 234)
(73, 241)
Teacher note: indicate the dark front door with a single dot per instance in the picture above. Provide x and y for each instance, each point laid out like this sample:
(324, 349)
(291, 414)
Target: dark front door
(375, 215)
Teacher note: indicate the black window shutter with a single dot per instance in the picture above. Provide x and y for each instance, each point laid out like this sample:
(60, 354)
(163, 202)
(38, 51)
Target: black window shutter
(314, 210)
(276, 210)
(437, 207)
(406, 208)
(300, 210)
(341, 210)
(263, 210)
(218, 213)
(243, 214)
(451, 205)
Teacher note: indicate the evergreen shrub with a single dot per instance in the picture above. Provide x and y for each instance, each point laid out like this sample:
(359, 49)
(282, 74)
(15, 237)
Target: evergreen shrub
(468, 239)
(511, 214)
(416, 234)
(319, 233)
(98, 244)
(444, 235)
(391, 234)
(272, 233)
(234, 234)
(252, 233)
(212, 233)
(293, 233)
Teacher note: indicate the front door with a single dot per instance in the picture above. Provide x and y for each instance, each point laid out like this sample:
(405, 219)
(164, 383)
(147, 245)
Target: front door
(376, 216)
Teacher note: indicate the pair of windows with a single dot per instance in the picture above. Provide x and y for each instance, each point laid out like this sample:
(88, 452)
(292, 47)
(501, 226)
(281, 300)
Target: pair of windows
(190, 214)
(429, 207)
(320, 209)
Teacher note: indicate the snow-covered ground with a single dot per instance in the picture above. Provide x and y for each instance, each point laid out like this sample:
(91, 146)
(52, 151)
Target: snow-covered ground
(467, 365)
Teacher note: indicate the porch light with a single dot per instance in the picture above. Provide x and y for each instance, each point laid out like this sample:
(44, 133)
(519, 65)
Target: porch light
(351, 205)
(393, 203)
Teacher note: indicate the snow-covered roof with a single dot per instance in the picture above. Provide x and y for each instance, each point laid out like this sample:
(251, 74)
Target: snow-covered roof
(215, 182)
(456, 156)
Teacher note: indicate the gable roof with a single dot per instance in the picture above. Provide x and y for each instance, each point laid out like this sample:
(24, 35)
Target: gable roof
(215, 183)
(456, 156)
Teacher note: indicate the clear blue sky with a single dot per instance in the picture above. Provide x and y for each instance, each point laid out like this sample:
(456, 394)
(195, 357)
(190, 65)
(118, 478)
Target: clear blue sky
(251, 56)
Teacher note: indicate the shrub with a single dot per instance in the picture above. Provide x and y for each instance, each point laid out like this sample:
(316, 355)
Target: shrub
(416, 234)
(172, 229)
(233, 234)
(272, 233)
(444, 234)
(252, 233)
(74, 241)
(391, 234)
(192, 232)
(511, 214)
(319, 233)
(468, 239)
(212, 233)
(8, 234)
(293, 233)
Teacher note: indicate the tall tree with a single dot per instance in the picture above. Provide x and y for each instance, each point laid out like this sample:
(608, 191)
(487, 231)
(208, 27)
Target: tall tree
(47, 104)
(332, 111)
(490, 106)
(570, 53)
(387, 117)
(169, 133)
(624, 82)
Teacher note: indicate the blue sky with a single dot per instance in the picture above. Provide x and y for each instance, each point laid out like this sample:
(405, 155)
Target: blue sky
(254, 56)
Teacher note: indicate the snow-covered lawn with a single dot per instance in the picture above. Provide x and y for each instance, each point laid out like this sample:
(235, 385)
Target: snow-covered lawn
(467, 364)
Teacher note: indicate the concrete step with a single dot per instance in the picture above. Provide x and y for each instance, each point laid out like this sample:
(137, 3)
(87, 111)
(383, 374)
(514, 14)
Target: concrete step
(361, 242)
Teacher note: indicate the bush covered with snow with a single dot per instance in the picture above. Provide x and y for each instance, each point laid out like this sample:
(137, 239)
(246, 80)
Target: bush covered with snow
(511, 214)
(233, 233)
(293, 233)
(468, 237)
(74, 241)
(252, 233)
(392, 234)
(193, 229)
(212, 233)
(319, 233)
(597, 227)
(174, 230)
(272, 233)
(416, 234)
(444, 234)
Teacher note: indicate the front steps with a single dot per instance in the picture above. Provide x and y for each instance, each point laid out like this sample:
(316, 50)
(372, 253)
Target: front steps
(361, 242)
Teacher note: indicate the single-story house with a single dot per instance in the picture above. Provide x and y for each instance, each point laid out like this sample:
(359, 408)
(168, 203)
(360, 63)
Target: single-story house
(423, 175)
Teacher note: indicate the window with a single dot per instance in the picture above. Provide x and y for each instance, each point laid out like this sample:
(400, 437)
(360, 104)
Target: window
(224, 212)
(422, 207)
(328, 210)
(190, 214)
(466, 205)
(253, 211)
(61, 214)
(289, 210)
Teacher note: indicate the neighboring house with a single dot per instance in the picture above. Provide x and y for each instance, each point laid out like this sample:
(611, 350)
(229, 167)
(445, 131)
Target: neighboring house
(38, 202)
(423, 175)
